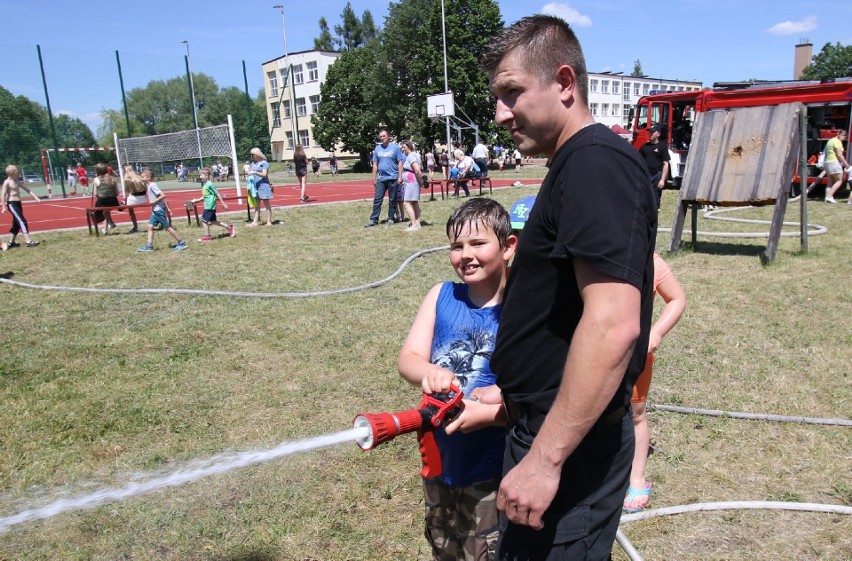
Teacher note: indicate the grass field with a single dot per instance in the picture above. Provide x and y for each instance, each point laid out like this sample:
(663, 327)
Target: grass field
(98, 387)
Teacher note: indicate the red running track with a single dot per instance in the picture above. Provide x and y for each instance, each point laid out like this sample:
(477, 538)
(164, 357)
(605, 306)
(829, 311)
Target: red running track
(58, 213)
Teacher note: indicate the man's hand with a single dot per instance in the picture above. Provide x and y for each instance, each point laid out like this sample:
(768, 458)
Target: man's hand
(487, 394)
(473, 416)
(527, 490)
(224, 205)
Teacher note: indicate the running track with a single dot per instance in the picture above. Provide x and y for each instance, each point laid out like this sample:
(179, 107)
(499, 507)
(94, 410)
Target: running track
(63, 213)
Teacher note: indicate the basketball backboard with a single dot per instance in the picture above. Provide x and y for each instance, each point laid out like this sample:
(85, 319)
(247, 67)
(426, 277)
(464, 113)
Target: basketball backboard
(440, 105)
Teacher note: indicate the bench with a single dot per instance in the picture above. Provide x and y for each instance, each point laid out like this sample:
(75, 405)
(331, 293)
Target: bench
(444, 184)
(92, 211)
(192, 208)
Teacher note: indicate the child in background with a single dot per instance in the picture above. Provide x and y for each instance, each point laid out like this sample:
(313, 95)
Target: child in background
(82, 178)
(10, 195)
(157, 200)
(209, 194)
(666, 285)
(450, 342)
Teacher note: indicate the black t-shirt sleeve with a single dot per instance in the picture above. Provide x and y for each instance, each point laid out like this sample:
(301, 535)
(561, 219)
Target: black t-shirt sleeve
(601, 211)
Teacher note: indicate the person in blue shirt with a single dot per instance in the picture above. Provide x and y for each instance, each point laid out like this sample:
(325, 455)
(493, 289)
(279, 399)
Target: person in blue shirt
(450, 342)
(387, 175)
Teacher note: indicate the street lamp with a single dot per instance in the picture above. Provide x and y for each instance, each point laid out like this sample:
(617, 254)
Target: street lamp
(290, 86)
(194, 105)
(446, 81)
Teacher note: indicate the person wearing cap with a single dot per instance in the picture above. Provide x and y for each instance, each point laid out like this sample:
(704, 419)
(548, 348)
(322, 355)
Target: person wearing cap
(520, 212)
(656, 155)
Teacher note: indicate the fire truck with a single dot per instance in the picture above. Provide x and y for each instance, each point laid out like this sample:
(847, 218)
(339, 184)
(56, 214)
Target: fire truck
(829, 107)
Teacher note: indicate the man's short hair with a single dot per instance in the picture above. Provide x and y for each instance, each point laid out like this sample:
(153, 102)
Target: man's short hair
(480, 212)
(543, 43)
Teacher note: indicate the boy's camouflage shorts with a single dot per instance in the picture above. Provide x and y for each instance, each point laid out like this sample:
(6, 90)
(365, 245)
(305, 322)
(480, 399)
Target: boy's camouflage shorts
(461, 522)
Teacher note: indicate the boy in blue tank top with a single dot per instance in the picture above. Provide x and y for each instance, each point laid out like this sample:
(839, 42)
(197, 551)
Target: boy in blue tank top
(450, 342)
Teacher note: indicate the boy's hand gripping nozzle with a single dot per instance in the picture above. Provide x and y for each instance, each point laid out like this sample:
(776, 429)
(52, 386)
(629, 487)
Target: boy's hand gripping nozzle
(432, 411)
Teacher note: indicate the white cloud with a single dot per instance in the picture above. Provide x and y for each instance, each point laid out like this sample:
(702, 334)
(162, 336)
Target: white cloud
(794, 27)
(566, 12)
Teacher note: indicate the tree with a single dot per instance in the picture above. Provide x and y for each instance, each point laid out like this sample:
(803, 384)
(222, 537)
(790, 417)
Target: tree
(637, 69)
(325, 42)
(352, 32)
(23, 130)
(349, 31)
(414, 72)
(347, 115)
(833, 61)
(388, 85)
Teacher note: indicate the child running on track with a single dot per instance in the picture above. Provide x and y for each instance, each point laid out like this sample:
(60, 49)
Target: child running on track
(159, 209)
(11, 197)
(209, 194)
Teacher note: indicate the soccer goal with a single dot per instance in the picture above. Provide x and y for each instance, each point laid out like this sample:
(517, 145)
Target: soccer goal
(183, 146)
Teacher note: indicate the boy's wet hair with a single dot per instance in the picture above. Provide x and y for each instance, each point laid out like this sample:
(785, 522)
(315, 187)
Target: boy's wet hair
(480, 211)
(205, 171)
(10, 169)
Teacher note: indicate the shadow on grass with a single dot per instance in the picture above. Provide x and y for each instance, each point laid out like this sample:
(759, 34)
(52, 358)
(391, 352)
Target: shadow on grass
(720, 248)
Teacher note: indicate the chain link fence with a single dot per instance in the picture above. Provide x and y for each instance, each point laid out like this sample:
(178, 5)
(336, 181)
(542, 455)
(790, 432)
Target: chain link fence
(57, 102)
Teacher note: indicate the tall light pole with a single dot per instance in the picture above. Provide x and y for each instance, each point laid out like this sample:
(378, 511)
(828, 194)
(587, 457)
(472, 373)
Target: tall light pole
(446, 81)
(194, 105)
(290, 86)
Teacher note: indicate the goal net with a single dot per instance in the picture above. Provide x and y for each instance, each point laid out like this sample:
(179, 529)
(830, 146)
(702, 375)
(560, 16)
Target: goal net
(189, 147)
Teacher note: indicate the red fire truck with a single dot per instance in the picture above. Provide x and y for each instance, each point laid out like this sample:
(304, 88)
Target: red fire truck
(829, 107)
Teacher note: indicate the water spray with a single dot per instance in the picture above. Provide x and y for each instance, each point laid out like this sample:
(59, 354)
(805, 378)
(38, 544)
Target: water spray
(430, 414)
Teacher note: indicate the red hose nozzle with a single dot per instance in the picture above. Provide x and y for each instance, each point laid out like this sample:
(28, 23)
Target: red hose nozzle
(386, 426)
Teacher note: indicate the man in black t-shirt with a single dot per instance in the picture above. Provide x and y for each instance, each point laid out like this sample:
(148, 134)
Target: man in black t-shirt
(577, 309)
(656, 155)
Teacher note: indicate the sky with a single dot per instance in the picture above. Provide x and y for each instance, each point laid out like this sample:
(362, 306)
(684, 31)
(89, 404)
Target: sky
(703, 40)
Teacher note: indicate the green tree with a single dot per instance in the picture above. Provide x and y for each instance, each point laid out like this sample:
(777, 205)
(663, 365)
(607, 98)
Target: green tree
(347, 115)
(351, 33)
(386, 83)
(325, 42)
(412, 72)
(637, 69)
(71, 131)
(833, 61)
(23, 131)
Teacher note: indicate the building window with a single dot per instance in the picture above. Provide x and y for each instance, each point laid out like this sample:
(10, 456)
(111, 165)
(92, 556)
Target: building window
(594, 107)
(593, 86)
(301, 108)
(285, 78)
(314, 103)
(615, 89)
(276, 115)
(605, 86)
(287, 113)
(636, 88)
(605, 109)
(298, 78)
(289, 140)
(645, 88)
(313, 71)
(626, 91)
(304, 138)
(273, 84)
(626, 115)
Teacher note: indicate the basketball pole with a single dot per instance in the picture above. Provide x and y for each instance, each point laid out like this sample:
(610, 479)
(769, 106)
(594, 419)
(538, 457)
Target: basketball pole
(446, 81)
